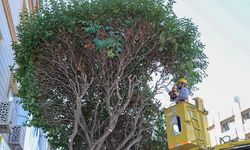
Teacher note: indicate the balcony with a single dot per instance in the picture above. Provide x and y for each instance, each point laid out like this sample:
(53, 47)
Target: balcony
(6, 116)
(17, 135)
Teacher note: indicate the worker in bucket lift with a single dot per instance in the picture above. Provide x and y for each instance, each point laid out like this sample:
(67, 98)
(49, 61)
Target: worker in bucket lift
(179, 92)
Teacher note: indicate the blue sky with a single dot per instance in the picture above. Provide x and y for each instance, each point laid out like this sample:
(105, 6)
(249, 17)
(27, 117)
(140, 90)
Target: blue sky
(225, 30)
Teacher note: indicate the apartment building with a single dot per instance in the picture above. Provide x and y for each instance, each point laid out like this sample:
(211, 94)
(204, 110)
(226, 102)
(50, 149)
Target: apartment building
(232, 125)
(13, 135)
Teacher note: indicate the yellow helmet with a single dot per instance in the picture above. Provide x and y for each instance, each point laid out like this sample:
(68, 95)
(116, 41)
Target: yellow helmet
(182, 80)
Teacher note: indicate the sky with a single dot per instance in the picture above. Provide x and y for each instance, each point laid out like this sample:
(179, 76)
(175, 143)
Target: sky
(225, 30)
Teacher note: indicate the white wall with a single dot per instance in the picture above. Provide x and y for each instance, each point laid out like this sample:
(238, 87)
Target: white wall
(6, 60)
(247, 126)
(236, 128)
(6, 55)
(15, 8)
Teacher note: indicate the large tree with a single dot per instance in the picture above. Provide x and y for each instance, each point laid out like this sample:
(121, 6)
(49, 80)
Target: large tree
(84, 69)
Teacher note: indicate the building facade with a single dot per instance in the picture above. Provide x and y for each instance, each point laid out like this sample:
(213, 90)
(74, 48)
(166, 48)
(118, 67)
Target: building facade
(231, 126)
(13, 135)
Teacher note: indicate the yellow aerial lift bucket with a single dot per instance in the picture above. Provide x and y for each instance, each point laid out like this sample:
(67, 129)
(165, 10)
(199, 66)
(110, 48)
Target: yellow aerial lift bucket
(187, 126)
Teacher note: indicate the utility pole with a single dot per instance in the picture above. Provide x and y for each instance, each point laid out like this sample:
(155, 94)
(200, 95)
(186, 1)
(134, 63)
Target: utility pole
(237, 100)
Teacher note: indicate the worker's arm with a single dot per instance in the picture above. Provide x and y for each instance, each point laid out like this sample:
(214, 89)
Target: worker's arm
(173, 94)
(184, 93)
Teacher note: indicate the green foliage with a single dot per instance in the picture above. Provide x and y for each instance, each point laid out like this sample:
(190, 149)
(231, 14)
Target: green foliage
(173, 44)
(92, 29)
(156, 137)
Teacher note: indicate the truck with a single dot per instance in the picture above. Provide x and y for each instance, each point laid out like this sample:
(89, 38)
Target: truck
(187, 128)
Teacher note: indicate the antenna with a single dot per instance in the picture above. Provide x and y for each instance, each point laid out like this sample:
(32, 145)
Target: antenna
(237, 99)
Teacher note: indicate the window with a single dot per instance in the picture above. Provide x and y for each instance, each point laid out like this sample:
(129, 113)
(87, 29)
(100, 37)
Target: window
(225, 127)
(227, 124)
(246, 115)
(247, 136)
(175, 124)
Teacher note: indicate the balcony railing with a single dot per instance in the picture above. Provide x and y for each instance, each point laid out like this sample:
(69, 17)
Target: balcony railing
(17, 135)
(6, 116)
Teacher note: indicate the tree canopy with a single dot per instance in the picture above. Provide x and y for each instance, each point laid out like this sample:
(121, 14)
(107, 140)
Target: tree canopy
(84, 69)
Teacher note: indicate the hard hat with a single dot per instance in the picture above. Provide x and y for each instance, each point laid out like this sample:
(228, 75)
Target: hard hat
(182, 80)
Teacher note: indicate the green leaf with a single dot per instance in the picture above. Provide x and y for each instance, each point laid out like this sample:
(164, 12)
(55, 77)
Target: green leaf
(111, 54)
